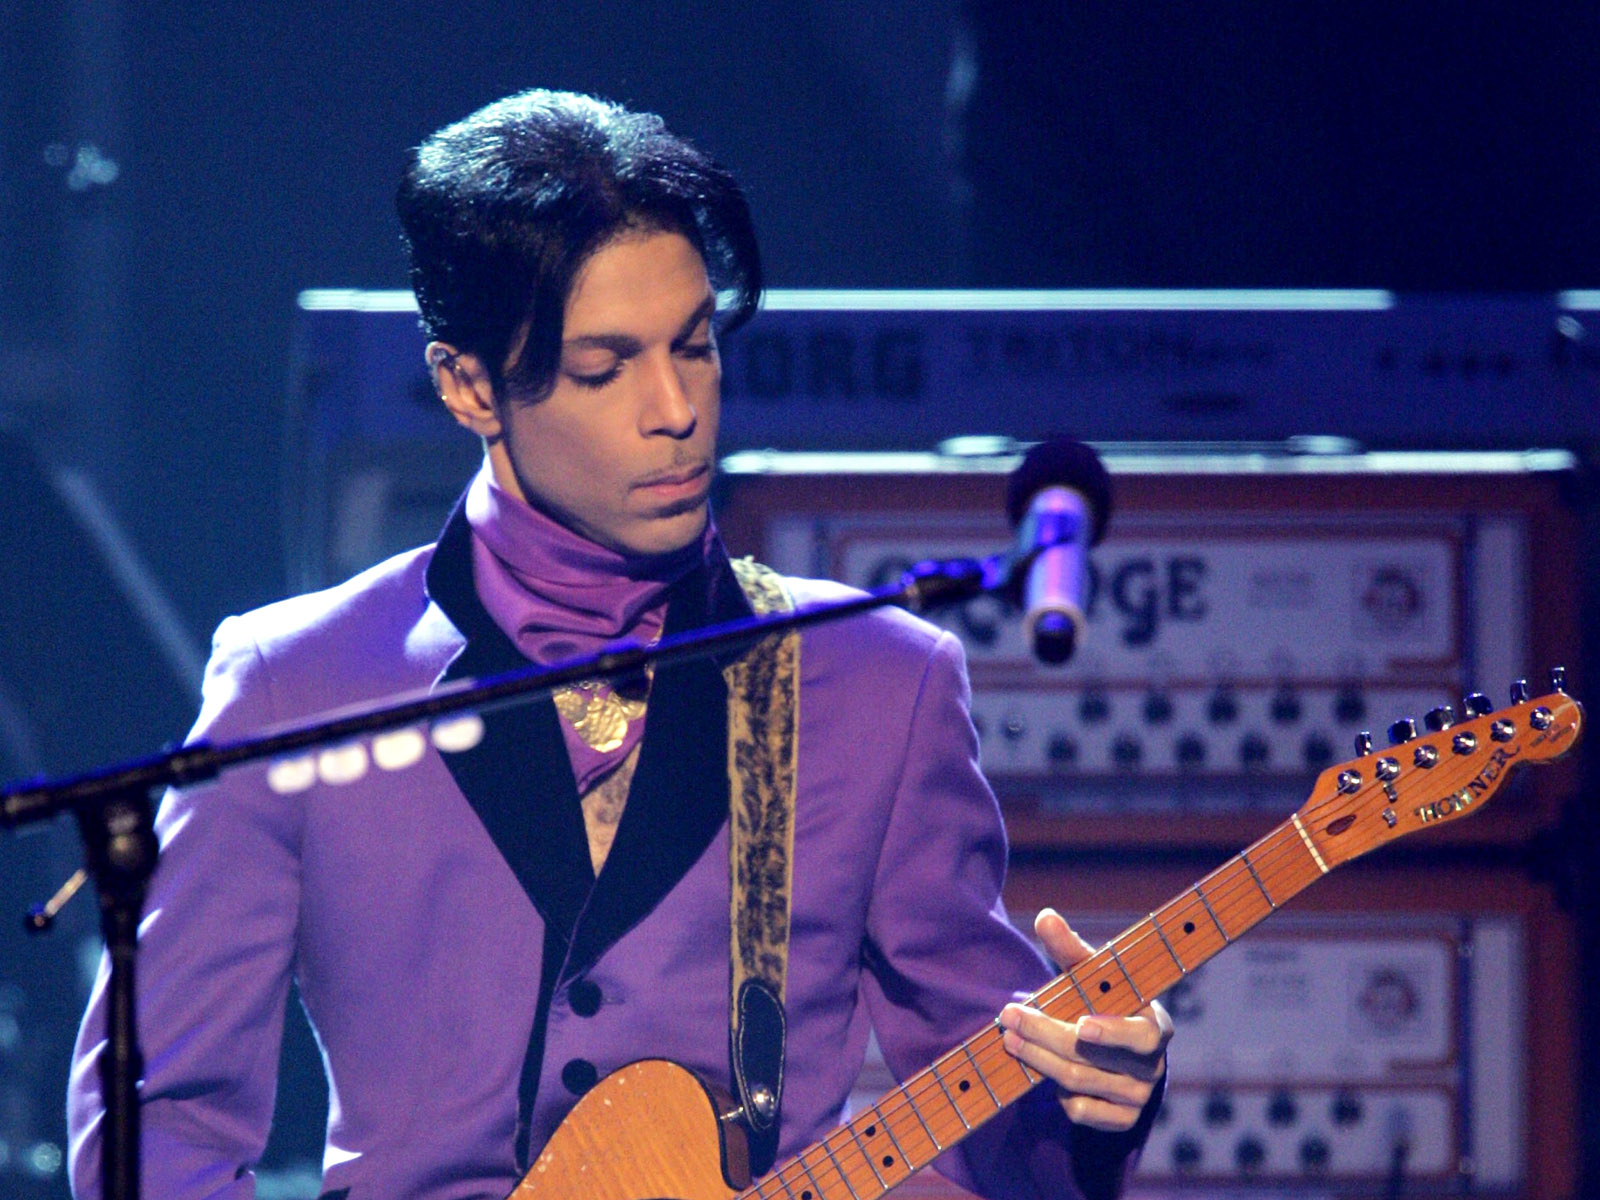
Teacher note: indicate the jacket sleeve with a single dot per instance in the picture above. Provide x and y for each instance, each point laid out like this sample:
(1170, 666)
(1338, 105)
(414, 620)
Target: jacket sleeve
(943, 958)
(215, 955)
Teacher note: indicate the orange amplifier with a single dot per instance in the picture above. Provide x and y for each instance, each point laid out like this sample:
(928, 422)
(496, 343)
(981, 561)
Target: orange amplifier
(1250, 613)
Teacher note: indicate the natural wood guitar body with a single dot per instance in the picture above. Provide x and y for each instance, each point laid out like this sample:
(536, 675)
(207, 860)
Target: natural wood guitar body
(649, 1131)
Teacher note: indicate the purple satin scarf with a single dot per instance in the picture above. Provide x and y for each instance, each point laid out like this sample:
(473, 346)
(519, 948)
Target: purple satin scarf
(557, 595)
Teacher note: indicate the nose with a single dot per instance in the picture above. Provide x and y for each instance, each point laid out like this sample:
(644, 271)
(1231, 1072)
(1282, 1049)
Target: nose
(667, 408)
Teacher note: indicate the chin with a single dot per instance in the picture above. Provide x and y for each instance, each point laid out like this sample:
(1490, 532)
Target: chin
(665, 534)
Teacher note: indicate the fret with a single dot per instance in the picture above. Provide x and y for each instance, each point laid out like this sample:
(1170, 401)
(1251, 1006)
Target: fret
(1244, 857)
(862, 1150)
(1212, 914)
(1072, 978)
(934, 1070)
(816, 1193)
(978, 1071)
(916, 1110)
(1156, 925)
(905, 1158)
(843, 1178)
(777, 1177)
(1112, 946)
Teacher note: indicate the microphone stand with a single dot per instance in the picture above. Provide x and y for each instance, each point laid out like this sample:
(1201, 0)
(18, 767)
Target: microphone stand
(115, 811)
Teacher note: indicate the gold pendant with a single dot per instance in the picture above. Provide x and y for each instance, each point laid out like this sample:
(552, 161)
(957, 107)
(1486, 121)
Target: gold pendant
(597, 714)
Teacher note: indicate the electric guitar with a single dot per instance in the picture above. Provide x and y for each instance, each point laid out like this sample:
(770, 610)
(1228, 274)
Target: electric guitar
(655, 1131)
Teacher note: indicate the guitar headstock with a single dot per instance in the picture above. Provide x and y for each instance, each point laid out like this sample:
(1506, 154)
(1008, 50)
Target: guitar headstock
(1426, 779)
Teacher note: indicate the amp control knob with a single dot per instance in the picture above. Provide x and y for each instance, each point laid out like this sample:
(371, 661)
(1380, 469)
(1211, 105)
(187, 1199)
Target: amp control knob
(1314, 1155)
(1218, 1109)
(1249, 1154)
(1186, 1154)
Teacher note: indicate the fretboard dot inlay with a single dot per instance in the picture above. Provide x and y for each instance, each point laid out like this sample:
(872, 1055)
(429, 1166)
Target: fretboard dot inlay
(888, 1160)
(963, 1086)
(1104, 987)
(1188, 926)
(872, 1130)
(805, 1195)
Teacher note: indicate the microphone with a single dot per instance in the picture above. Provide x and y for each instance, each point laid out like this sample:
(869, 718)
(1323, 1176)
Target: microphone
(1059, 500)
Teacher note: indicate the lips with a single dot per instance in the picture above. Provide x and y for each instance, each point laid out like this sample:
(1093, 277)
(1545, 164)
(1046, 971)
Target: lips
(676, 481)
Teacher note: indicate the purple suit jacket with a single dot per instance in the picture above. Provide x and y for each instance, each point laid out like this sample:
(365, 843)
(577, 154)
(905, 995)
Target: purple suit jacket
(436, 919)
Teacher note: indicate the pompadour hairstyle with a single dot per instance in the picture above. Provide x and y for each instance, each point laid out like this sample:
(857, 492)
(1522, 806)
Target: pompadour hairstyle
(500, 210)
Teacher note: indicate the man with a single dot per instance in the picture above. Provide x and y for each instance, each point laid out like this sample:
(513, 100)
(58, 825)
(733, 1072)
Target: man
(481, 937)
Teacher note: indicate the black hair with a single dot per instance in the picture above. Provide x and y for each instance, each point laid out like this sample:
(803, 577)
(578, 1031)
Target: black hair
(501, 209)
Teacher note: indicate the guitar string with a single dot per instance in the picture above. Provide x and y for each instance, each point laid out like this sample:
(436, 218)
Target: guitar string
(1232, 894)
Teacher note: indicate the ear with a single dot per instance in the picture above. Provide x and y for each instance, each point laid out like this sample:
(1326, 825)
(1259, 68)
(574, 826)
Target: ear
(464, 387)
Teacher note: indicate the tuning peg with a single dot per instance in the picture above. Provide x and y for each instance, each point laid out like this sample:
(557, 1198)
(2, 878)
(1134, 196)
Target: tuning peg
(1558, 680)
(1402, 730)
(1520, 692)
(1476, 705)
(1439, 718)
(1363, 744)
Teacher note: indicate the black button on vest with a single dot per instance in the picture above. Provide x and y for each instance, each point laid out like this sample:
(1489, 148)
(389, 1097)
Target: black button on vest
(579, 1075)
(584, 997)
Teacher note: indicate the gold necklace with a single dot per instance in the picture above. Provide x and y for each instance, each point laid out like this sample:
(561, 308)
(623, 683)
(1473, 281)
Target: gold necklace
(598, 713)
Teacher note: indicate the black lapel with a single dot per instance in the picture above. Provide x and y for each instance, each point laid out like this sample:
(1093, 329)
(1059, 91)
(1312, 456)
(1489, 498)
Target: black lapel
(518, 779)
(679, 796)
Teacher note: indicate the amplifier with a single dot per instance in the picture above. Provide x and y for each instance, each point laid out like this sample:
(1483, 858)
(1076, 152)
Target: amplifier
(1249, 614)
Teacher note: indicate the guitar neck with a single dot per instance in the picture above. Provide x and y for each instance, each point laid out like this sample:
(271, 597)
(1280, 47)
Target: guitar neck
(1354, 807)
(940, 1105)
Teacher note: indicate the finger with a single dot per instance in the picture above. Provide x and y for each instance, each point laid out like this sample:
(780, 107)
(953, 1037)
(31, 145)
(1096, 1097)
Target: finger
(1030, 1025)
(1141, 1034)
(1100, 1114)
(1075, 1077)
(1061, 941)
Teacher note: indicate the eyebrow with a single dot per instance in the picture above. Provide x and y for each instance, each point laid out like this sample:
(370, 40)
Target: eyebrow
(625, 345)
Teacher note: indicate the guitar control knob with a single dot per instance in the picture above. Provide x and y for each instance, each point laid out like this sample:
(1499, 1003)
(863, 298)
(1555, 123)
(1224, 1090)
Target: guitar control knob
(1440, 718)
(1558, 680)
(1363, 744)
(1402, 731)
(1476, 705)
(1521, 693)
(1157, 708)
(1249, 1154)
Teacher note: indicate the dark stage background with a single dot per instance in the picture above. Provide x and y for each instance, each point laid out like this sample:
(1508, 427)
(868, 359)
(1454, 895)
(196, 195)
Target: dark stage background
(173, 174)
